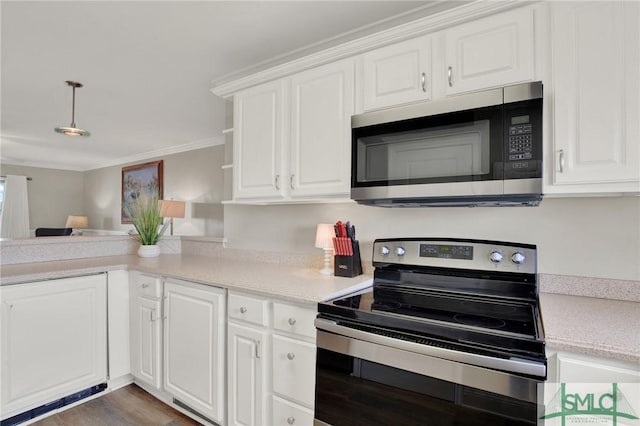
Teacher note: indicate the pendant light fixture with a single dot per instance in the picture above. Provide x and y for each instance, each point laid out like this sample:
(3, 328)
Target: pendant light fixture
(72, 130)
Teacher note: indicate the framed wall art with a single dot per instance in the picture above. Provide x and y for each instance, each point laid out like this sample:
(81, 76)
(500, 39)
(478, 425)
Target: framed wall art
(140, 180)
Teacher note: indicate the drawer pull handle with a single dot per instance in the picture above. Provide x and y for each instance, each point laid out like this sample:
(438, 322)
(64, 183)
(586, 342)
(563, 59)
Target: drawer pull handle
(291, 356)
(423, 82)
(243, 310)
(292, 321)
(449, 72)
(562, 161)
(291, 420)
(145, 285)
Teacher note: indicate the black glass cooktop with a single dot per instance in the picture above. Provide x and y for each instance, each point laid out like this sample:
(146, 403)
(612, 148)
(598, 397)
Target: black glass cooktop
(505, 327)
(457, 310)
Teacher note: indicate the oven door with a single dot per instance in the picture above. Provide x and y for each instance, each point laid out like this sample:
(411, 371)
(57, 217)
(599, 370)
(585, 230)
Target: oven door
(360, 382)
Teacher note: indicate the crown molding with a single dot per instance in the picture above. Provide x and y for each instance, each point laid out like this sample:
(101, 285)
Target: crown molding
(419, 27)
(199, 144)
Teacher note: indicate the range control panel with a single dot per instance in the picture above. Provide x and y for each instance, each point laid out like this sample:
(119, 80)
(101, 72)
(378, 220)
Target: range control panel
(462, 254)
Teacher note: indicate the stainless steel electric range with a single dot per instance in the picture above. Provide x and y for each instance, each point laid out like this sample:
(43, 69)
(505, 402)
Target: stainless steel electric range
(450, 333)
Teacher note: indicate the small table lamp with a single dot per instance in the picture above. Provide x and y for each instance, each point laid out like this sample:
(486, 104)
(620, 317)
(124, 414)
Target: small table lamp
(171, 209)
(77, 222)
(324, 240)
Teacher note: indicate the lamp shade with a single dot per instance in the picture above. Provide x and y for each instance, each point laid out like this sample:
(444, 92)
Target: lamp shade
(78, 222)
(324, 236)
(171, 208)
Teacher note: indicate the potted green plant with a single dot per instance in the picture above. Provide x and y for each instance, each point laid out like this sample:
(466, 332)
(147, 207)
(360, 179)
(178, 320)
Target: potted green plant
(145, 216)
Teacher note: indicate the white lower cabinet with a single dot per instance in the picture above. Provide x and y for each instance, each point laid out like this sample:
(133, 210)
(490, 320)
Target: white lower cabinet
(246, 373)
(178, 342)
(54, 340)
(568, 367)
(286, 413)
(293, 362)
(194, 346)
(146, 329)
(271, 369)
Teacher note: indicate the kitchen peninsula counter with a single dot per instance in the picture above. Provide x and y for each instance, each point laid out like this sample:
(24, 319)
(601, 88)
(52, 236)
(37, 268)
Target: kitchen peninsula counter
(588, 325)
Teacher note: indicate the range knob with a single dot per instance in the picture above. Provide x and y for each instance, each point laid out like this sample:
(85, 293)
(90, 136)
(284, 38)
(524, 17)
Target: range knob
(518, 258)
(400, 251)
(495, 257)
(384, 250)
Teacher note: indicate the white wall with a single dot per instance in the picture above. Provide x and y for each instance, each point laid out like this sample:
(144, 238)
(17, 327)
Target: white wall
(53, 194)
(192, 176)
(593, 237)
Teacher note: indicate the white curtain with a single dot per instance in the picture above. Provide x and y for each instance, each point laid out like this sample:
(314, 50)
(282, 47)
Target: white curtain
(14, 222)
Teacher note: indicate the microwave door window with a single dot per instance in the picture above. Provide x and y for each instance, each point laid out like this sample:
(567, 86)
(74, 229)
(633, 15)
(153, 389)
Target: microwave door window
(438, 154)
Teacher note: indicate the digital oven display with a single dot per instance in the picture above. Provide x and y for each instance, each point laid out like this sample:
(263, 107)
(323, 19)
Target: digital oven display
(446, 251)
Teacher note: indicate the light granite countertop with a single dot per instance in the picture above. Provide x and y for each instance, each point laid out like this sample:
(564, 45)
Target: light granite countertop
(592, 326)
(589, 325)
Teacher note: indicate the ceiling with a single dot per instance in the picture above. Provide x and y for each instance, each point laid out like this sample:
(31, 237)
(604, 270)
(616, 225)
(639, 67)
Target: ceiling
(148, 66)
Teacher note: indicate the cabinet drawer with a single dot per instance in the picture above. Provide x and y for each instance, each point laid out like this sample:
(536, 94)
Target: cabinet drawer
(286, 413)
(250, 309)
(294, 319)
(149, 286)
(294, 364)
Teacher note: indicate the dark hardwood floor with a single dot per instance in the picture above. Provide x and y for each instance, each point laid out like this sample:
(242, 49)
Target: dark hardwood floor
(128, 406)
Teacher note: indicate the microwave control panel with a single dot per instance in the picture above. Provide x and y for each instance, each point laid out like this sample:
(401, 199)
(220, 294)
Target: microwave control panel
(520, 139)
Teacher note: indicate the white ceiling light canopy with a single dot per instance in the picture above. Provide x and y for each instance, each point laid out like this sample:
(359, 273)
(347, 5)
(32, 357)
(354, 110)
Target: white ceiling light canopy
(72, 130)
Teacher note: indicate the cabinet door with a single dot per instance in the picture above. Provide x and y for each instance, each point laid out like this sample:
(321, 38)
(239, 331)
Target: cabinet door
(259, 132)
(294, 364)
(397, 74)
(321, 109)
(595, 69)
(194, 346)
(54, 340)
(490, 52)
(146, 340)
(246, 376)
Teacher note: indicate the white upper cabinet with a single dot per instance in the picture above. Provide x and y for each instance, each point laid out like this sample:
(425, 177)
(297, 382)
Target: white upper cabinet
(292, 137)
(321, 108)
(595, 50)
(397, 74)
(489, 52)
(259, 138)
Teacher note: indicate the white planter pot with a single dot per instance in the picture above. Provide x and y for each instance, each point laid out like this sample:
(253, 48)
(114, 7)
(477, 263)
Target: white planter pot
(149, 251)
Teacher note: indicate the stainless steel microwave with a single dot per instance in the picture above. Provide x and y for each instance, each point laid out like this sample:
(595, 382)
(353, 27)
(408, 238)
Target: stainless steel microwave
(479, 149)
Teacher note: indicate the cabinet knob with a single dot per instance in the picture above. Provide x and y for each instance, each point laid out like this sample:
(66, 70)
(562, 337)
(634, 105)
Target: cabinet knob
(243, 310)
(291, 356)
(291, 420)
(292, 321)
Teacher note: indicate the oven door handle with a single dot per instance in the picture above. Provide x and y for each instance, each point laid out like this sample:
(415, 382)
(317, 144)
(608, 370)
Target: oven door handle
(513, 365)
